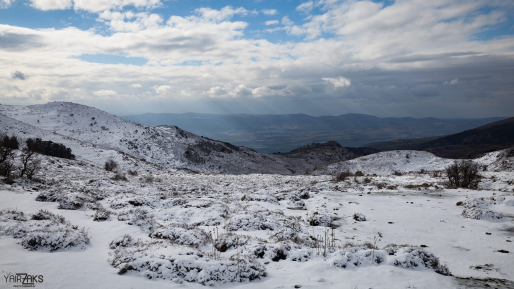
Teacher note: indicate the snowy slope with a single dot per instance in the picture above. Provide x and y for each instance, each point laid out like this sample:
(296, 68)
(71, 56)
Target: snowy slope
(253, 215)
(502, 160)
(386, 163)
(166, 146)
(84, 152)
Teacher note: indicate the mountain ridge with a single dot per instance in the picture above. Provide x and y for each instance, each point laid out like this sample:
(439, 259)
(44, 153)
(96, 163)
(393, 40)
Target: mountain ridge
(283, 133)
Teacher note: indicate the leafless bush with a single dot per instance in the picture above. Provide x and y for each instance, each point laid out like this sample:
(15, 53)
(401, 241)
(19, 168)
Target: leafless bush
(359, 217)
(359, 174)
(463, 174)
(119, 177)
(148, 179)
(132, 173)
(111, 165)
(342, 176)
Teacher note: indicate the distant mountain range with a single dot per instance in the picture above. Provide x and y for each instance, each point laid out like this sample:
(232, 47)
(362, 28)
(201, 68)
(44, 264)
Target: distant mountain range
(467, 144)
(283, 133)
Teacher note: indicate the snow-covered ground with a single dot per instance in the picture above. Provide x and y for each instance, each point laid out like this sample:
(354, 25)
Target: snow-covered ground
(266, 230)
(160, 226)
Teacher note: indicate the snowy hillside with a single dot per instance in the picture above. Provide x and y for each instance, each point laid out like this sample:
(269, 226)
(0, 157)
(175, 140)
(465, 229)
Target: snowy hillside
(167, 230)
(85, 152)
(166, 146)
(386, 163)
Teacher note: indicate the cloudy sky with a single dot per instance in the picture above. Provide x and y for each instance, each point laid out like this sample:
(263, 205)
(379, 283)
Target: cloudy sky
(441, 58)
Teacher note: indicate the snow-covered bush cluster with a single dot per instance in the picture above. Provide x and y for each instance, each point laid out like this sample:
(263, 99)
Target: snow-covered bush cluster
(44, 231)
(478, 208)
(163, 260)
(481, 214)
(404, 257)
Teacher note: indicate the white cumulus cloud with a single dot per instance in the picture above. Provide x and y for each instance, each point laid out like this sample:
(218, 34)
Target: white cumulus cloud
(337, 81)
(105, 92)
(305, 7)
(161, 89)
(51, 4)
(271, 22)
(136, 85)
(269, 11)
(103, 5)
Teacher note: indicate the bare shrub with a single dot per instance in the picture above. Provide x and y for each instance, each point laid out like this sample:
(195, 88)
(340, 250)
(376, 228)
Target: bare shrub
(359, 174)
(463, 174)
(111, 165)
(119, 177)
(342, 176)
(148, 179)
(132, 173)
(359, 217)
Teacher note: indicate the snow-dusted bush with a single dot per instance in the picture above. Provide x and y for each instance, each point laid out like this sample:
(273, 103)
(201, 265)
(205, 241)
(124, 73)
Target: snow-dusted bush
(262, 198)
(55, 240)
(359, 217)
(399, 256)
(413, 257)
(481, 214)
(70, 203)
(102, 215)
(247, 221)
(47, 215)
(475, 203)
(273, 252)
(9, 214)
(230, 241)
(49, 196)
(44, 232)
(182, 234)
(162, 260)
(320, 220)
(356, 256)
(140, 217)
(286, 234)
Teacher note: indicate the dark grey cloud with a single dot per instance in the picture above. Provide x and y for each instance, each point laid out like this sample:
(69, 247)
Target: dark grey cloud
(19, 75)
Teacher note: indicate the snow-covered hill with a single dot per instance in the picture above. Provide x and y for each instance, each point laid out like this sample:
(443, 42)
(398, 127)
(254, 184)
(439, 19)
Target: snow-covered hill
(167, 146)
(386, 163)
(85, 152)
(403, 161)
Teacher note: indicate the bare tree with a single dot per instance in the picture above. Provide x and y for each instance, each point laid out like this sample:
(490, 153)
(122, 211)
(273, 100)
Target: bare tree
(8, 147)
(30, 162)
(33, 167)
(463, 174)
